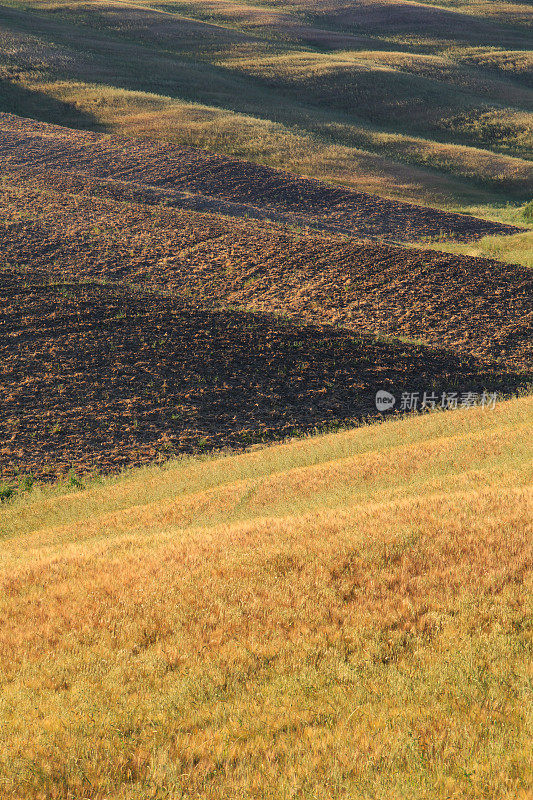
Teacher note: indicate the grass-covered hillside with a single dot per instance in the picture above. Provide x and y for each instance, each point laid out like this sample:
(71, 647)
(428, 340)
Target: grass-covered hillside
(424, 101)
(343, 616)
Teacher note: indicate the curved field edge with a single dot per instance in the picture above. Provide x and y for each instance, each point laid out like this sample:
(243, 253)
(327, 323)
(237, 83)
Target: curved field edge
(406, 100)
(208, 258)
(40, 148)
(97, 376)
(372, 643)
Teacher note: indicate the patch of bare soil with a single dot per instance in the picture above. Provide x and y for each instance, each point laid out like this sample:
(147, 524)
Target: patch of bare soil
(469, 305)
(266, 192)
(96, 377)
(133, 327)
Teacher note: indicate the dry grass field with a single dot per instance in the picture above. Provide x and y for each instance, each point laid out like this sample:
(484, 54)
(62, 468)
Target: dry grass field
(342, 616)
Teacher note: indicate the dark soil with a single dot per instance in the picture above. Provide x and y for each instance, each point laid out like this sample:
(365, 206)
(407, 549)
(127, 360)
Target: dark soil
(98, 377)
(219, 181)
(470, 305)
(132, 330)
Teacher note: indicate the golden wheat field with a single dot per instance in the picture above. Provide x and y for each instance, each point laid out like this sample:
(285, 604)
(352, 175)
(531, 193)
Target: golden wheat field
(345, 615)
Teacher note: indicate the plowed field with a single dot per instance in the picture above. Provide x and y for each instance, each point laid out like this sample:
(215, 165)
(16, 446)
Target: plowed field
(132, 330)
(469, 305)
(100, 377)
(265, 192)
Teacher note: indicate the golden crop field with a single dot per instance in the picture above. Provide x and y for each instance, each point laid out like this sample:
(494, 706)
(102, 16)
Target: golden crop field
(338, 616)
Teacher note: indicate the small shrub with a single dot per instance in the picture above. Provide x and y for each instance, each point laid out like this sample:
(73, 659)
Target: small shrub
(6, 493)
(26, 483)
(73, 482)
(527, 211)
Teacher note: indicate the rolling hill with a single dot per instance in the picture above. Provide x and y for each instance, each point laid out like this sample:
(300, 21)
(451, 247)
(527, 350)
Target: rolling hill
(96, 377)
(429, 102)
(342, 615)
(233, 235)
(110, 273)
(161, 173)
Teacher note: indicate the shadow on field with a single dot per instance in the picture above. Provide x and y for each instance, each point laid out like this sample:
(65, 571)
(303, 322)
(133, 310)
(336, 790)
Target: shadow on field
(17, 99)
(98, 377)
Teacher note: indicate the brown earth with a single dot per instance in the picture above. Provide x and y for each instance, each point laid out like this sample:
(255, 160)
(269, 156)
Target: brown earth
(469, 305)
(97, 377)
(120, 336)
(41, 147)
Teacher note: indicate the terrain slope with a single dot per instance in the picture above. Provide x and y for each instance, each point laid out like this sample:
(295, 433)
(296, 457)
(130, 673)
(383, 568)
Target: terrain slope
(344, 615)
(430, 102)
(96, 377)
(105, 284)
(155, 172)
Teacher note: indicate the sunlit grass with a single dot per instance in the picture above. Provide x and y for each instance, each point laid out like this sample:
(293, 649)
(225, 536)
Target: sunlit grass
(337, 616)
(412, 117)
(514, 249)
